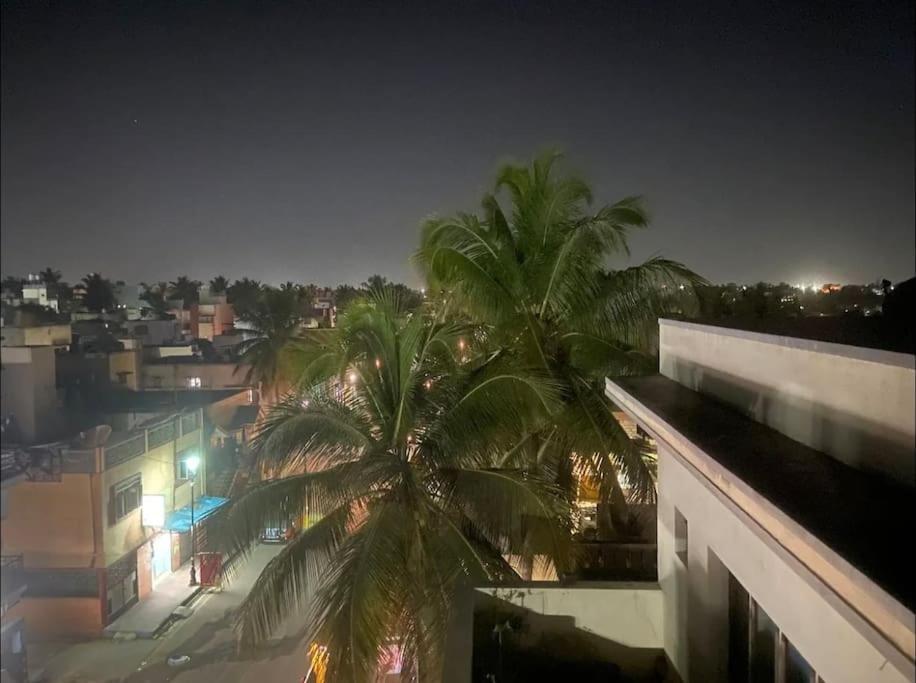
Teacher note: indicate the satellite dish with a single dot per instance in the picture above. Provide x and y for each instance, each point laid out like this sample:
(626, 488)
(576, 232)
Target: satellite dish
(95, 437)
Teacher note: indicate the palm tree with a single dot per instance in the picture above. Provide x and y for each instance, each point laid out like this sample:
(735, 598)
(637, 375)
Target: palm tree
(276, 320)
(186, 289)
(218, 285)
(99, 295)
(244, 296)
(399, 436)
(155, 296)
(537, 281)
(50, 276)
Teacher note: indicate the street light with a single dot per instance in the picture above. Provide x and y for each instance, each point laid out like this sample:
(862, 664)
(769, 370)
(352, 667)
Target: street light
(192, 462)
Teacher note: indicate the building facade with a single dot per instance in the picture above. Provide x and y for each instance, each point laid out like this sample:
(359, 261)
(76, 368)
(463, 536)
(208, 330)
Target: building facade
(785, 480)
(90, 523)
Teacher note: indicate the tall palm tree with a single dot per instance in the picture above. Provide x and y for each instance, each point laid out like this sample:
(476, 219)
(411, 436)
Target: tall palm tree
(244, 295)
(186, 289)
(400, 437)
(50, 276)
(99, 295)
(537, 280)
(276, 321)
(218, 284)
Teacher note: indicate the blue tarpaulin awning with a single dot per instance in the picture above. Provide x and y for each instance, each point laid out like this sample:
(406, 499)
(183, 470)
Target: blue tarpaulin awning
(180, 520)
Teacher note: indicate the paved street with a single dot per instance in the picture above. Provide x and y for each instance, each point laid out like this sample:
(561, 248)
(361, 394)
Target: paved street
(206, 636)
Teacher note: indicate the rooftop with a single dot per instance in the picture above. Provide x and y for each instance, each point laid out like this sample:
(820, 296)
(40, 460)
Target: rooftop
(164, 401)
(862, 517)
(872, 332)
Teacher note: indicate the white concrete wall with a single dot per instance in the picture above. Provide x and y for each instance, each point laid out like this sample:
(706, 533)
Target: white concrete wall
(628, 614)
(856, 404)
(830, 635)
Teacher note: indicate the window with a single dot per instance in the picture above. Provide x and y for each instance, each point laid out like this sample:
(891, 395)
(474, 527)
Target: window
(182, 464)
(680, 536)
(194, 383)
(126, 496)
(757, 649)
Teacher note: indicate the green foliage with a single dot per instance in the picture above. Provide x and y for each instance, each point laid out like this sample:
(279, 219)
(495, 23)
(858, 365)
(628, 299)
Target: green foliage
(99, 293)
(392, 440)
(186, 289)
(244, 296)
(218, 285)
(276, 317)
(536, 280)
(156, 298)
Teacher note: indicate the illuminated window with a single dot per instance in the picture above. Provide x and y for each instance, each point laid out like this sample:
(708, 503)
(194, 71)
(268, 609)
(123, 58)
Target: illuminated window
(194, 383)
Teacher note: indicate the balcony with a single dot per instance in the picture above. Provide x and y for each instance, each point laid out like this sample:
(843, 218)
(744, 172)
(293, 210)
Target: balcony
(12, 581)
(612, 561)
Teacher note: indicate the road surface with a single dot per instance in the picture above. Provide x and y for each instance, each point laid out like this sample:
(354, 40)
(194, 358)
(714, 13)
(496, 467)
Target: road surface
(207, 637)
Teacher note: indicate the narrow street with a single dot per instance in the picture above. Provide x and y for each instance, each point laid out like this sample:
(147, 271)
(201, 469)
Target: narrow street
(207, 637)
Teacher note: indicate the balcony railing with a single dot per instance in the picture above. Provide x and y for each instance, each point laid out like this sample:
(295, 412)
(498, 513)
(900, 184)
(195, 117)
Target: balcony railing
(610, 561)
(12, 581)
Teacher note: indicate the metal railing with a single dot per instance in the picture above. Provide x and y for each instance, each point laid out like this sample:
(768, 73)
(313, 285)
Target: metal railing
(610, 561)
(12, 580)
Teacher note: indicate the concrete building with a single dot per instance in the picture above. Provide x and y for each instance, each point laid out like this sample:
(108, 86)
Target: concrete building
(92, 527)
(785, 483)
(13, 648)
(154, 332)
(785, 493)
(35, 291)
(29, 402)
(181, 373)
(128, 300)
(215, 316)
(57, 335)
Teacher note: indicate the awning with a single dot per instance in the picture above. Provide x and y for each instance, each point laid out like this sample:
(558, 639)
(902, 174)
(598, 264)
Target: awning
(180, 520)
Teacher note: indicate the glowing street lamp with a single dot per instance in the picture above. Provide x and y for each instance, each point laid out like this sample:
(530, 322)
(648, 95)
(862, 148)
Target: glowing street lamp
(192, 462)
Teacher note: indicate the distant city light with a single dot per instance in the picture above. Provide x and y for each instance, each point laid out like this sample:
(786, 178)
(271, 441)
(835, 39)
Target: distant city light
(378, 363)
(352, 377)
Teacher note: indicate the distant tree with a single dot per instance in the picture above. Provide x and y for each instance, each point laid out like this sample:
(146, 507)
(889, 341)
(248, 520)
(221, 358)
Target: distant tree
(155, 296)
(64, 295)
(244, 296)
(218, 285)
(13, 284)
(50, 276)
(276, 318)
(99, 293)
(344, 295)
(186, 289)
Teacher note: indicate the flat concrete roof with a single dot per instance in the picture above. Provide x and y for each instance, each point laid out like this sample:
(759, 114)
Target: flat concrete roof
(863, 517)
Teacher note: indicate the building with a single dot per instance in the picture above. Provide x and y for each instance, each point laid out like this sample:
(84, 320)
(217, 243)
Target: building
(93, 522)
(785, 482)
(215, 316)
(192, 372)
(29, 400)
(36, 291)
(13, 647)
(154, 332)
(57, 335)
(785, 493)
(128, 300)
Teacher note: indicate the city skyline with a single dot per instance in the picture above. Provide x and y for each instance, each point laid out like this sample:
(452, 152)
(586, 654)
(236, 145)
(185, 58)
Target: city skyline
(307, 143)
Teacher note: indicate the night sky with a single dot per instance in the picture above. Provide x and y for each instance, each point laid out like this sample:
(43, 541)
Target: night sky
(307, 140)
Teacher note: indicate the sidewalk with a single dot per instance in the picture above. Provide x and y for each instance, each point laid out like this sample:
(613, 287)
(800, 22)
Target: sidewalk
(147, 617)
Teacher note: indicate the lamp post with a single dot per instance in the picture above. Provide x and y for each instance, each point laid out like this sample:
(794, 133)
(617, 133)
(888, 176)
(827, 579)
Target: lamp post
(192, 463)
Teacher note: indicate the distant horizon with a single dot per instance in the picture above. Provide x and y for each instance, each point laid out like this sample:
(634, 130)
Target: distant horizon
(801, 284)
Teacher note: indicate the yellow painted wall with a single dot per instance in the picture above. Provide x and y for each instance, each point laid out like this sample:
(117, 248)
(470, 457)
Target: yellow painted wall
(157, 470)
(129, 361)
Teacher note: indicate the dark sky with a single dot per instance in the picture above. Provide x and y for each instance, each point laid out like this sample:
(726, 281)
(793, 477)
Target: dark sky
(306, 141)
